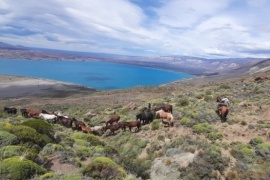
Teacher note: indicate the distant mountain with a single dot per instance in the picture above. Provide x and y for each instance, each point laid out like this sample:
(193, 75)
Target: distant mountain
(184, 64)
(12, 47)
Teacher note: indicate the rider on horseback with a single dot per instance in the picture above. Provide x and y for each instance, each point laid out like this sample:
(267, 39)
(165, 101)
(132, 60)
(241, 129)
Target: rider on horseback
(222, 102)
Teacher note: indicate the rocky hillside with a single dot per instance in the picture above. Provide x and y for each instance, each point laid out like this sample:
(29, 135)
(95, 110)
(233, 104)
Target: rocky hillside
(198, 146)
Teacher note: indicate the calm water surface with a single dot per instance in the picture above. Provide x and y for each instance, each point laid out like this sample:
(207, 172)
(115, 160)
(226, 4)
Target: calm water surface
(98, 75)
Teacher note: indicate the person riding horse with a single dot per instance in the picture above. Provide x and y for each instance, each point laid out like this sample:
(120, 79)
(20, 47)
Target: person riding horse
(222, 102)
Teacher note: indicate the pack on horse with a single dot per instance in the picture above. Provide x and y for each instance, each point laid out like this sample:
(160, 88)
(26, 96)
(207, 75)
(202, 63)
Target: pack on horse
(165, 115)
(222, 108)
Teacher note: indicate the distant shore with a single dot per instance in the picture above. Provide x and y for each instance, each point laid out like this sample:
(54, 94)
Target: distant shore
(12, 86)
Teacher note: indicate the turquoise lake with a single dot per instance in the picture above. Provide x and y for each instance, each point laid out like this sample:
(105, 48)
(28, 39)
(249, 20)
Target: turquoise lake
(98, 75)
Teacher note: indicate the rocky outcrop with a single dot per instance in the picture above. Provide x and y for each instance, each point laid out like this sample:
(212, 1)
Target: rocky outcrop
(167, 167)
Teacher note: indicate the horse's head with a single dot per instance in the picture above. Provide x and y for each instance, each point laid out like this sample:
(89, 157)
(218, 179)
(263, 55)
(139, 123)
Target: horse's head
(218, 99)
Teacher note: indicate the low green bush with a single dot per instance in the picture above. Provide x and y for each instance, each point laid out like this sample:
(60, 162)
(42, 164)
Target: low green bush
(50, 148)
(17, 168)
(28, 135)
(7, 138)
(94, 141)
(255, 141)
(263, 150)
(155, 124)
(13, 150)
(183, 102)
(243, 153)
(215, 135)
(202, 128)
(103, 168)
(41, 127)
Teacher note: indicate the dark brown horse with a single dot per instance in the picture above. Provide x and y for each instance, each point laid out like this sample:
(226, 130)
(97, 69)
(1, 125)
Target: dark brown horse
(113, 119)
(132, 124)
(10, 110)
(64, 121)
(223, 112)
(114, 127)
(78, 124)
(166, 108)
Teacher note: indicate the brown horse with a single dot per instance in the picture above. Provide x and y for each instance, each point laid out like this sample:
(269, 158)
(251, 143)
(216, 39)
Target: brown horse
(32, 113)
(84, 128)
(165, 115)
(114, 127)
(113, 119)
(223, 112)
(78, 124)
(166, 108)
(67, 122)
(132, 124)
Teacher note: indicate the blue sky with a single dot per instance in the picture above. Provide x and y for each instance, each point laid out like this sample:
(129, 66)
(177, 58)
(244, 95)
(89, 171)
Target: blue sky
(202, 28)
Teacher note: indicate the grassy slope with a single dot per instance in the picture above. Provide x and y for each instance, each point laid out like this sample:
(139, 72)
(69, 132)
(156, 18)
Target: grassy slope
(194, 105)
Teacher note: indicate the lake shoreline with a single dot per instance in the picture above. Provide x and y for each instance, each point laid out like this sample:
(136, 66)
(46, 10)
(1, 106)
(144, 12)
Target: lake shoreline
(12, 86)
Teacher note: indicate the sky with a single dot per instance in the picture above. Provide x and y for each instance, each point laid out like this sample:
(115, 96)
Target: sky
(200, 28)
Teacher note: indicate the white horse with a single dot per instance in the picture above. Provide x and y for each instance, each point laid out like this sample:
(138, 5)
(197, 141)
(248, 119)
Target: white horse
(51, 118)
(97, 129)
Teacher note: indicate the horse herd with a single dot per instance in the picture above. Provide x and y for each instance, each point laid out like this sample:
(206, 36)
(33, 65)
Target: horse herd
(146, 116)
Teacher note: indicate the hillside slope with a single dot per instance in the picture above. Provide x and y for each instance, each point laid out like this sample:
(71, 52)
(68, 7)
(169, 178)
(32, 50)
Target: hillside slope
(199, 146)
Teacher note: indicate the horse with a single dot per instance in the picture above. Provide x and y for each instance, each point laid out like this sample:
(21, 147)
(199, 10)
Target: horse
(78, 124)
(67, 122)
(113, 119)
(84, 128)
(32, 113)
(166, 108)
(97, 130)
(223, 112)
(165, 115)
(51, 118)
(114, 127)
(146, 116)
(10, 110)
(132, 124)
(24, 112)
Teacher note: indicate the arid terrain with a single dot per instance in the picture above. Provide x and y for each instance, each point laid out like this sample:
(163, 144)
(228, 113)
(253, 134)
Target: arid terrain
(198, 146)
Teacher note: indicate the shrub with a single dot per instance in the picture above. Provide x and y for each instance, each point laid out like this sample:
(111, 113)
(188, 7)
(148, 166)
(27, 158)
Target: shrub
(28, 135)
(243, 152)
(202, 128)
(255, 141)
(183, 102)
(41, 127)
(50, 148)
(138, 167)
(214, 136)
(207, 98)
(224, 86)
(17, 168)
(9, 151)
(208, 92)
(94, 141)
(155, 124)
(103, 168)
(263, 150)
(7, 138)
(185, 121)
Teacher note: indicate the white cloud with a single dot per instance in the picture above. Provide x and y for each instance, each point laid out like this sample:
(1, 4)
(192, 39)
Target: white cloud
(223, 28)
